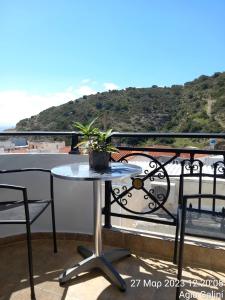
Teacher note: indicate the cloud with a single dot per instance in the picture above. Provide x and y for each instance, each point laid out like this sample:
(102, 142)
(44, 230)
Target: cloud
(19, 104)
(110, 86)
(85, 90)
(16, 105)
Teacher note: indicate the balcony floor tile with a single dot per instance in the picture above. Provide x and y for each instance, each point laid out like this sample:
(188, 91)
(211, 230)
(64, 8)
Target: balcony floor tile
(138, 271)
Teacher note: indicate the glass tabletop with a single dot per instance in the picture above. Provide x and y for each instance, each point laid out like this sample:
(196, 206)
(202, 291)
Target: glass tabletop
(82, 171)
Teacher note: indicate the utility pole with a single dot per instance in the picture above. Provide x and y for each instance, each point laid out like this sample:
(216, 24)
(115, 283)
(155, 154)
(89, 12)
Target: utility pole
(105, 120)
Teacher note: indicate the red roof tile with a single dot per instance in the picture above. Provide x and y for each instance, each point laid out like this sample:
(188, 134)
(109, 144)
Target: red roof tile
(122, 153)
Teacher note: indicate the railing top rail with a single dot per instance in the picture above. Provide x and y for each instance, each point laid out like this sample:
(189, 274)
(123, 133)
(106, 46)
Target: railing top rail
(168, 134)
(117, 134)
(38, 133)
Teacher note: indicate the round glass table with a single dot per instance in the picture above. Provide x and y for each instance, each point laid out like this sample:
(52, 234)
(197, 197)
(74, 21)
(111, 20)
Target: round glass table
(96, 259)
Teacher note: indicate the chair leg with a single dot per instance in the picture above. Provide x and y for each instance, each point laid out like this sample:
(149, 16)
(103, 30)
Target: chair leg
(30, 261)
(181, 250)
(53, 213)
(53, 227)
(176, 241)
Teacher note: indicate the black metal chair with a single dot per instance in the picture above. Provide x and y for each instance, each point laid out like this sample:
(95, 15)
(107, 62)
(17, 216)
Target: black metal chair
(26, 211)
(201, 214)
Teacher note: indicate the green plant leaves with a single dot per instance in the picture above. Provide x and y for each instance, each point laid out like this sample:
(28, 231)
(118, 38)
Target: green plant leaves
(94, 139)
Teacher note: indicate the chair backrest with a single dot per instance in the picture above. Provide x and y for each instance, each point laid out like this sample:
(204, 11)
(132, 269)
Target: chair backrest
(194, 179)
(205, 194)
(37, 181)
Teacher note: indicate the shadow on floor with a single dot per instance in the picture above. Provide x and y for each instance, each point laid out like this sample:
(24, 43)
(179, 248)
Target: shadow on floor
(145, 277)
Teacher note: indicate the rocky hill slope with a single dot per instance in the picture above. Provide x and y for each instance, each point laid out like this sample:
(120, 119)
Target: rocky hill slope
(196, 106)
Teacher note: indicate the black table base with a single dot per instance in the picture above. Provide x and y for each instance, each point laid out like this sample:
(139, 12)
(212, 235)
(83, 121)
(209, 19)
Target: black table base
(102, 262)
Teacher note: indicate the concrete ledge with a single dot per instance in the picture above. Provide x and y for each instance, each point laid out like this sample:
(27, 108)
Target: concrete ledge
(196, 253)
(46, 235)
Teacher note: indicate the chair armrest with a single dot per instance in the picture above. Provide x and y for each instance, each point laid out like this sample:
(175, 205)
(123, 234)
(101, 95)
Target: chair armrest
(13, 187)
(25, 170)
(18, 188)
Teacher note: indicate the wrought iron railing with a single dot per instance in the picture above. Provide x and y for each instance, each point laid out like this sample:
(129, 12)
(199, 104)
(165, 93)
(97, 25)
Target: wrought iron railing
(155, 170)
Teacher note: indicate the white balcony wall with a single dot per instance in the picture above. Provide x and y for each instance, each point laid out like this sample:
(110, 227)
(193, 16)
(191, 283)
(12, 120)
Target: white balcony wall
(73, 199)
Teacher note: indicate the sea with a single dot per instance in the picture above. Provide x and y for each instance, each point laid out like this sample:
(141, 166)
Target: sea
(4, 127)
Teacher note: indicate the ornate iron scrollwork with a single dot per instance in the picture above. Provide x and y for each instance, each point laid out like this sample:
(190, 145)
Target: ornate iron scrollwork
(191, 166)
(154, 199)
(219, 167)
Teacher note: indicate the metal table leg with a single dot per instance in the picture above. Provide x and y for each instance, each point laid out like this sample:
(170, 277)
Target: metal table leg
(97, 259)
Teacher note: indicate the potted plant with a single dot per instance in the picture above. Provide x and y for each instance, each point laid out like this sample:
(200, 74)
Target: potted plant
(97, 143)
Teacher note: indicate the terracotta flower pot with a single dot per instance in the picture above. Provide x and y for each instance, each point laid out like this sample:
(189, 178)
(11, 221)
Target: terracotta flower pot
(99, 160)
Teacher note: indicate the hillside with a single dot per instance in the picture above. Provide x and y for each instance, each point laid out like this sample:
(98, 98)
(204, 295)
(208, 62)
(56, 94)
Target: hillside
(196, 106)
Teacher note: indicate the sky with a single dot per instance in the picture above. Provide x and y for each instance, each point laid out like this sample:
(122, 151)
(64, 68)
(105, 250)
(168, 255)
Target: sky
(53, 51)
